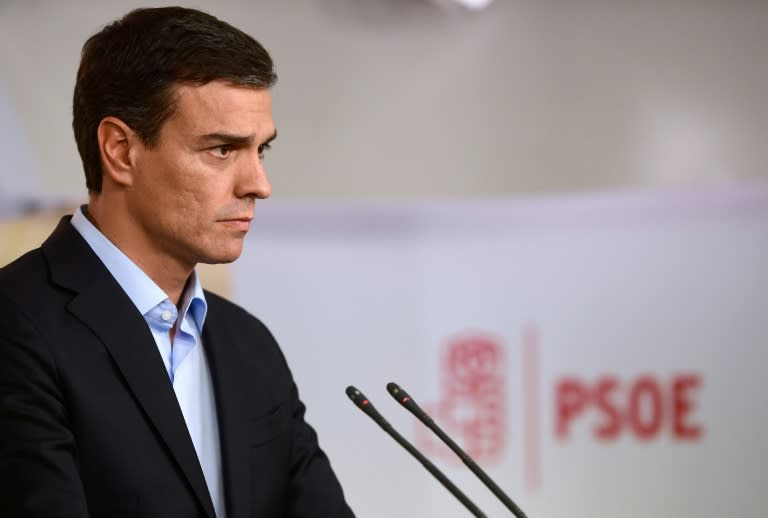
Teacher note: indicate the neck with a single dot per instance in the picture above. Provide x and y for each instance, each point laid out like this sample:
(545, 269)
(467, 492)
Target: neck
(170, 274)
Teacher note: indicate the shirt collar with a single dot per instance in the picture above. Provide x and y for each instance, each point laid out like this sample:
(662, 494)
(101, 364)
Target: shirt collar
(142, 290)
(193, 301)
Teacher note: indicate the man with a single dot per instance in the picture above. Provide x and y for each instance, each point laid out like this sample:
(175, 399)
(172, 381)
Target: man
(125, 389)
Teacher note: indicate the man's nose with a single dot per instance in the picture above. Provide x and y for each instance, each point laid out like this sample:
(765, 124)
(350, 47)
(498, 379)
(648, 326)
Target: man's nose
(253, 180)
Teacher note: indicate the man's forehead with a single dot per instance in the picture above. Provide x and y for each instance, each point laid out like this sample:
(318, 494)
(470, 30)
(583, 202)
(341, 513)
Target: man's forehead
(221, 106)
(218, 87)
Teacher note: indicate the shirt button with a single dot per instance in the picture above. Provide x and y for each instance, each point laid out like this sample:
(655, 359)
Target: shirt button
(166, 315)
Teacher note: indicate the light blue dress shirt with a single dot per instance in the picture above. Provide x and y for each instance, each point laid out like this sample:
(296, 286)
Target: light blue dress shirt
(184, 358)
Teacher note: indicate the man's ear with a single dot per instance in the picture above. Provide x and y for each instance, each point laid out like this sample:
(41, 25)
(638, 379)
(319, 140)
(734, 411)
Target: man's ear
(116, 140)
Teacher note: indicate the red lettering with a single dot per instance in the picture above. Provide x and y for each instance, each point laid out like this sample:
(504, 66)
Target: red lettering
(611, 425)
(644, 407)
(571, 398)
(682, 407)
(645, 428)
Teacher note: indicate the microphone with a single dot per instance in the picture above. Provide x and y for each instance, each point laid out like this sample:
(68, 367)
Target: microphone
(362, 402)
(402, 397)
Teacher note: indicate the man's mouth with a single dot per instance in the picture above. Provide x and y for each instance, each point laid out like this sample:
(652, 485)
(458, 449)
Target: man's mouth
(239, 223)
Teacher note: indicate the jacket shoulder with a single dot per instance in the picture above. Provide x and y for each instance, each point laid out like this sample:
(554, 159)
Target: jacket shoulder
(227, 310)
(242, 326)
(23, 273)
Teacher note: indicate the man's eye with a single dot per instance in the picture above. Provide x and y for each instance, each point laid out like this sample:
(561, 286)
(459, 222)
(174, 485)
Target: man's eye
(262, 149)
(222, 151)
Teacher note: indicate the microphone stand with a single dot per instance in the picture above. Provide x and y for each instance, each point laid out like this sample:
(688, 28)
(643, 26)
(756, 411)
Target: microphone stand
(402, 397)
(359, 399)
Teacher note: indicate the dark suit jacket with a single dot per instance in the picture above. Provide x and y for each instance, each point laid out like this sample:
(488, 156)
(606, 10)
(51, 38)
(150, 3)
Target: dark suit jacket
(89, 422)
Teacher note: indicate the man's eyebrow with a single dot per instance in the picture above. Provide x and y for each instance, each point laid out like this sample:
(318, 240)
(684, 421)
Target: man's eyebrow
(270, 139)
(227, 138)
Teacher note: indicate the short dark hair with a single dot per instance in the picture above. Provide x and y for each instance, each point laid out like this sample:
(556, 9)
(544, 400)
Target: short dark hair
(130, 70)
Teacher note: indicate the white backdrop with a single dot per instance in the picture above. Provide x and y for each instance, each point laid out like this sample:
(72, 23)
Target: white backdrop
(397, 99)
(638, 290)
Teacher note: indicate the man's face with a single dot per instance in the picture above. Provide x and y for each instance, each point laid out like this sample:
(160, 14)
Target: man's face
(193, 193)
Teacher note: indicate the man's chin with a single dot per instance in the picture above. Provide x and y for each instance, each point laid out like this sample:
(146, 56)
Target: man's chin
(222, 257)
(220, 260)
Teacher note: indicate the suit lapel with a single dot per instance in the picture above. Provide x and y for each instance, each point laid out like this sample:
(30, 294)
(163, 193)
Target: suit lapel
(232, 408)
(104, 307)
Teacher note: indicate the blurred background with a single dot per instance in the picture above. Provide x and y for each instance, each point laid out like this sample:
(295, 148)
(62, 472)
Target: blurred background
(548, 218)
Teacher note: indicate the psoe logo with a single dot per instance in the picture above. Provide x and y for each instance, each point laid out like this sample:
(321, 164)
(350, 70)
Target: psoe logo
(645, 407)
(473, 405)
(472, 408)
